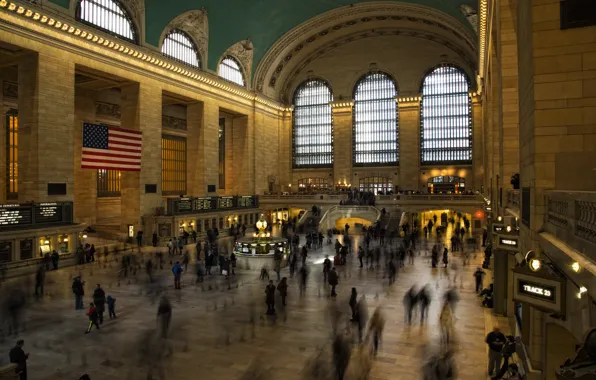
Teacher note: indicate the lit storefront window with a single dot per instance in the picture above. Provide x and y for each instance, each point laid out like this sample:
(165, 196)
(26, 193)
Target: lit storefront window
(375, 121)
(376, 185)
(313, 126)
(446, 118)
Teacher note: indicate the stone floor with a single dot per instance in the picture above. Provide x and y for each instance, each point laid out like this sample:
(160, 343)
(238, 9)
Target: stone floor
(212, 336)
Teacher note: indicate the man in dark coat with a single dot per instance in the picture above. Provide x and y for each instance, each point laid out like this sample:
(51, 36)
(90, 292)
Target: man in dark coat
(19, 357)
(77, 289)
(270, 298)
(99, 299)
(333, 281)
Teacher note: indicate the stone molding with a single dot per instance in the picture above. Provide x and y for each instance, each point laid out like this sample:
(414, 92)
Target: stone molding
(195, 24)
(335, 20)
(109, 110)
(10, 90)
(172, 122)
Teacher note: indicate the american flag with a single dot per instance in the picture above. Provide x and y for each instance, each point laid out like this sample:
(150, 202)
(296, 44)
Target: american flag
(111, 148)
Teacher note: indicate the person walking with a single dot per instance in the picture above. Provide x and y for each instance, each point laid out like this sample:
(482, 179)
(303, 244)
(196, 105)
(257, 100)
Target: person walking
(375, 331)
(40, 277)
(198, 247)
(360, 255)
(154, 239)
(304, 255)
(78, 291)
(270, 298)
(445, 257)
(92, 251)
(93, 318)
(282, 288)
(303, 272)
(18, 356)
(333, 281)
(111, 301)
(99, 299)
(354, 304)
(326, 267)
(341, 355)
(233, 260)
(140, 239)
(479, 278)
(495, 340)
(164, 316)
(424, 300)
(177, 271)
(410, 301)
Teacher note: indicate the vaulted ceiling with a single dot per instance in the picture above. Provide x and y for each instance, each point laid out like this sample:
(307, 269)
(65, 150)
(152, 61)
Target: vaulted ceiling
(261, 21)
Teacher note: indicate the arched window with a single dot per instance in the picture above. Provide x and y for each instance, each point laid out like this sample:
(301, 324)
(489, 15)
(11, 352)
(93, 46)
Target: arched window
(375, 135)
(179, 46)
(313, 128)
(446, 118)
(107, 15)
(229, 69)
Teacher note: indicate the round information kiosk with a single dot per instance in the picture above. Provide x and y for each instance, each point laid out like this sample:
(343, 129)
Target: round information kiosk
(260, 250)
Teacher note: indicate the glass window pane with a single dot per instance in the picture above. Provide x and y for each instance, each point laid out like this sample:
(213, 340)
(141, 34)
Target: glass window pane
(179, 46)
(230, 70)
(173, 165)
(107, 15)
(375, 134)
(446, 118)
(312, 125)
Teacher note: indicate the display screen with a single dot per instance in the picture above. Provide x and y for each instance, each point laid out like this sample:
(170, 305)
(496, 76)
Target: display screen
(184, 205)
(16, 215)
(225, 202)
(246, 202)
(204, 204)
(543, 292)
(48, 213)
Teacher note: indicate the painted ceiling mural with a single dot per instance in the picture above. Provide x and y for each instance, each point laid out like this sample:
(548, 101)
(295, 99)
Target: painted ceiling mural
(261, 21)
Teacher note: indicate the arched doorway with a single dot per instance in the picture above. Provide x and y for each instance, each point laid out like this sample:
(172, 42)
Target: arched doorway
(446, 184)
(560, 345)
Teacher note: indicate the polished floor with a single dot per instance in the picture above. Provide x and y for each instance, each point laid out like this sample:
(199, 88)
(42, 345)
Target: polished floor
(219, 329)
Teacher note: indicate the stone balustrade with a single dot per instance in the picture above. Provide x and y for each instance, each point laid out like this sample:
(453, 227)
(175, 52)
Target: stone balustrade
(571, 217)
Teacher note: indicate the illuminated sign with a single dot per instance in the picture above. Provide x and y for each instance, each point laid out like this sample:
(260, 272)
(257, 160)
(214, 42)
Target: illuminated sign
(498, 228)
(543, 292)
(508, 242)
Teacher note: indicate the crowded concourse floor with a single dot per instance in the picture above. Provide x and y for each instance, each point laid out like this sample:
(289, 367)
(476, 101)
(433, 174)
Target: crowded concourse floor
(219, 328)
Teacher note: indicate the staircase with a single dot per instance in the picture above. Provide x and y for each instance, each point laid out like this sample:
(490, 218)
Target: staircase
(330, 216)
(308, 221)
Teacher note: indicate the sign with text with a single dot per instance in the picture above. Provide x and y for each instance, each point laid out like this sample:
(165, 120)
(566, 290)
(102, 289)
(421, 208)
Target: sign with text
(508, 243)
(191, 205)
(33, 215)
(538, 291)
(498, 228)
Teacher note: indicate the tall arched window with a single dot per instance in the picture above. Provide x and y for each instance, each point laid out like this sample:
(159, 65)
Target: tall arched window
(375, 135)
(313, 128)
(107, 15)
(446, 118)
(229, 69)
(179, 46)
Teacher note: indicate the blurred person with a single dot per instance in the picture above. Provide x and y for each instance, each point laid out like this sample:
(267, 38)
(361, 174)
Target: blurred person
(18, 356)
(410, 302)
(341, 355)
(376, 327)
(93, 318)
(282, 288)
(164, 316)
(354, 304)
(270, 298)
(99, 299)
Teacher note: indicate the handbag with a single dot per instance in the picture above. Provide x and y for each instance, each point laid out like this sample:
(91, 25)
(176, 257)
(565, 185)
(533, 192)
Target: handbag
(224, 272)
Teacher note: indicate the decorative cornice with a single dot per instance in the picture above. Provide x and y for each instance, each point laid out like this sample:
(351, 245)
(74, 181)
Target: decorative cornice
(110, 110)
(10, 90)
(336, 20)
(482, 35)
(171, 122)
(116, 49)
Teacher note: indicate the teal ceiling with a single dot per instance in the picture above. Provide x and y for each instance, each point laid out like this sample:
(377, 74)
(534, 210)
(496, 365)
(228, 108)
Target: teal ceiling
(262, 21)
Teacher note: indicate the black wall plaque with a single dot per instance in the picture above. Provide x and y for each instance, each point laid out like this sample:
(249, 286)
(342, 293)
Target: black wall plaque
(150, 188)
(211, 189)
(577, 13)
(56, 189)
(525, 205)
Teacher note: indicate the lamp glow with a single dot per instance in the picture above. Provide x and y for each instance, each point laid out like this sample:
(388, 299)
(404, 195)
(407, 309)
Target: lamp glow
(65, 240)
(508, 228)
(575, 266)
(84, 236)
(46, 242)
(500, 218)
(582, 289)
(535, 265)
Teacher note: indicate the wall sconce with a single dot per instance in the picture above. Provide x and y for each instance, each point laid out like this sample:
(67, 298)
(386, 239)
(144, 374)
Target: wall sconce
(65, 240)
(192, 223)
(575, 266)
(582, 290)
(46, 242)
(499, 218)
(508, 228)
(535, 265)
(84, 236)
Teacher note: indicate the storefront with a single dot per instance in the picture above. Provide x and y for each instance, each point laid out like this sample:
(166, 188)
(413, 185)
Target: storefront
(447, 184)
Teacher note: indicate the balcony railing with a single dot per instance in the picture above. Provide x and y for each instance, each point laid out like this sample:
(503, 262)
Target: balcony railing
(571, 217)
(513, 199)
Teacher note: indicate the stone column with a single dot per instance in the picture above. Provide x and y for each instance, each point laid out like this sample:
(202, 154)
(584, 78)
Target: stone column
(342, 141)
(46, 118)
(243, 162)
(193, 124)
(142, 111)
(409, 143)
(285, 151)
(536, 338)
(85, 184)
(477, 145)
(208, 153)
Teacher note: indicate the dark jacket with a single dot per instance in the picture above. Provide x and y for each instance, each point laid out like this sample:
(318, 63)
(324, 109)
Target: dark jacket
(19, 357)
(333, 278)
(99, 298)
(270, 293)
(77, 287)
(495, 341)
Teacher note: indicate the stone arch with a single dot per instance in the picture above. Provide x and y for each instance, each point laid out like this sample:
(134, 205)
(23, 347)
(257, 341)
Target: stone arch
(242, 53)
(560, 345)
(345, 24)
(196, 26)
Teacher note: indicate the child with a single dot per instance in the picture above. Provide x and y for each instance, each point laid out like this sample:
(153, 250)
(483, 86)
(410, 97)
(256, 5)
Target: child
(111, 306)
(93, 318)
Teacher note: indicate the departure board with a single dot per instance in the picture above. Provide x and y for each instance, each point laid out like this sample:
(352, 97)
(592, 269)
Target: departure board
(15, 215)
(184, 205)
(225, 202)
(201, 204)
(246, 202)
(48, 213)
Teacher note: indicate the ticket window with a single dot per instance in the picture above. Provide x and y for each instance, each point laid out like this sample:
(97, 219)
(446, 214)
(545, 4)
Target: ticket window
(45, 245)
(213, 223)
(63, 244)
(221, 223)
(229, 222)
